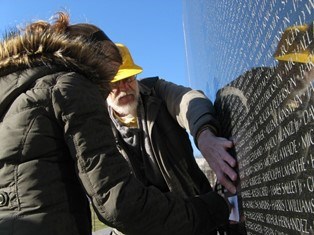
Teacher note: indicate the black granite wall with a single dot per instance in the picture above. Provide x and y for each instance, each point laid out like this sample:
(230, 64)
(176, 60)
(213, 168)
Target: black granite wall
(265, 104)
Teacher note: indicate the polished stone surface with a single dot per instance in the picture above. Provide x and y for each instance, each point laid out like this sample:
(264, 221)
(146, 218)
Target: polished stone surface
(267, 109)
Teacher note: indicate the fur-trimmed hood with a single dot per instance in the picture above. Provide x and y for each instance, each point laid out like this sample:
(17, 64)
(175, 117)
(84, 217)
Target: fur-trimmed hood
(91, 58)
(26, 57)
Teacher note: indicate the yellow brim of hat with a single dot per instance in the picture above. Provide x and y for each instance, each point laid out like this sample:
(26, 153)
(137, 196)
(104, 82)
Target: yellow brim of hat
(304, 57)
(127, 72)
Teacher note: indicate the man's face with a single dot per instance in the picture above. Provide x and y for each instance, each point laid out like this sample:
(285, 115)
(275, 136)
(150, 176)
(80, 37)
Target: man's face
(123, 97)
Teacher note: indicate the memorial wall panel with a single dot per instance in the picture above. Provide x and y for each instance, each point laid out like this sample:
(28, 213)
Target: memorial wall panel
(255, 60)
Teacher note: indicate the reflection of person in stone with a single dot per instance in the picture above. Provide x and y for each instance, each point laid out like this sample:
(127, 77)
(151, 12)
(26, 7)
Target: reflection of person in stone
(150, 120)
(295, 71)
(295, 55)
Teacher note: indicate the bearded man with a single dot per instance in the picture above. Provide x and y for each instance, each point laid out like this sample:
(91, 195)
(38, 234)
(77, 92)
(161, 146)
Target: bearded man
(151, 119)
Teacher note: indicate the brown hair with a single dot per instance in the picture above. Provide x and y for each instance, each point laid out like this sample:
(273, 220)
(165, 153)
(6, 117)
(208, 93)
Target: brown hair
(100, 45)
(62, 25)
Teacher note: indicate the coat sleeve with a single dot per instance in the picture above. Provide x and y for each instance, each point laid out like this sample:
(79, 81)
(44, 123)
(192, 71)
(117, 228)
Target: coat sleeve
(119, 199)
(191, 108)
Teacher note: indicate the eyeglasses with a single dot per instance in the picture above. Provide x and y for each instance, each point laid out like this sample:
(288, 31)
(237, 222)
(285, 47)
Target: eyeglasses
(115, 85)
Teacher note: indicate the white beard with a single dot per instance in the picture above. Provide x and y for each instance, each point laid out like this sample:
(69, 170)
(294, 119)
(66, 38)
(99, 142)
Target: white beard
(123, 110)
(126, 109)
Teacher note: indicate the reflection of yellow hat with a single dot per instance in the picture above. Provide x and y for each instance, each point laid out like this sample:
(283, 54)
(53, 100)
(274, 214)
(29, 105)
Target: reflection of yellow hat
(127, 68)
(294, 44)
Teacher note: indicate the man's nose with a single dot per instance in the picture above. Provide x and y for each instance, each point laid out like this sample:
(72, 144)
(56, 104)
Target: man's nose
(123, 86)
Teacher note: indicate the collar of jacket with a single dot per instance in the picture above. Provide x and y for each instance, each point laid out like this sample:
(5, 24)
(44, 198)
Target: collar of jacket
(22, 51)
(144, 90)
(151, 105)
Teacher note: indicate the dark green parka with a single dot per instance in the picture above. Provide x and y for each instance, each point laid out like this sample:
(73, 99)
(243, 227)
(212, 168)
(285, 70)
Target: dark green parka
(56, 147)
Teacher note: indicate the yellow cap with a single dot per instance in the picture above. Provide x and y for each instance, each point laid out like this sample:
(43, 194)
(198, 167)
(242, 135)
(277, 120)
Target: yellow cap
(127, 68)
(294, 45)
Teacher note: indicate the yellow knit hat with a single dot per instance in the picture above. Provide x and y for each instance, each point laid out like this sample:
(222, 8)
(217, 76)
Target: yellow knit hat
(294, 44)
(128, 68)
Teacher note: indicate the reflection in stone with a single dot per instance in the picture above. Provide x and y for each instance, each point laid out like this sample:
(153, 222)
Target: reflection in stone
(268, 109)
(275, 140)
(226, 38)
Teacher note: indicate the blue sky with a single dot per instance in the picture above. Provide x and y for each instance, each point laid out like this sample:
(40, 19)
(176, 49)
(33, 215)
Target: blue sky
(153, 30)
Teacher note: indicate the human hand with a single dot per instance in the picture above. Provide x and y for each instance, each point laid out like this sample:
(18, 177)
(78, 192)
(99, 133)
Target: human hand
(214, 150)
